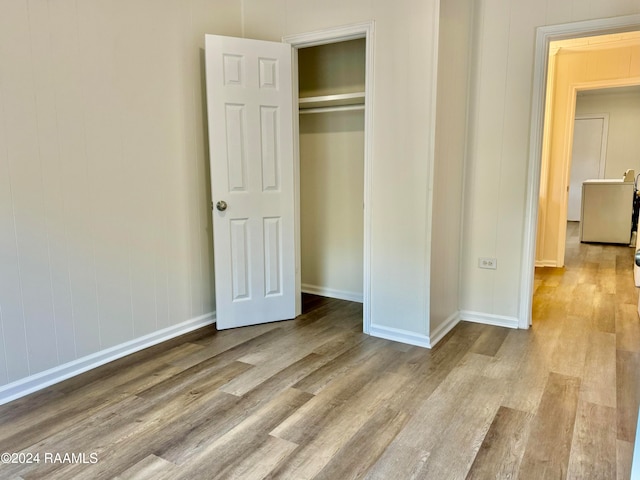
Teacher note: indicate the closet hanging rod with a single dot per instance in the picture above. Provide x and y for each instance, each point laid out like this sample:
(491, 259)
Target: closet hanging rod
(339, 108)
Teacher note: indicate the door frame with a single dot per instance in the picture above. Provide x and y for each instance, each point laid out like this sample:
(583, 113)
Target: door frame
(322, 37)
(544, 36)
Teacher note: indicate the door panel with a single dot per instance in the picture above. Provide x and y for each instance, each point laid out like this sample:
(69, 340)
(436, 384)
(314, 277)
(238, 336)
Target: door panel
(249, 101)
(586, 160)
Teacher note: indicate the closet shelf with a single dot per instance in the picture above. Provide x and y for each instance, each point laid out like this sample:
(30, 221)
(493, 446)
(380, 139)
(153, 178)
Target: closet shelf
(339, 108)
(331, 101)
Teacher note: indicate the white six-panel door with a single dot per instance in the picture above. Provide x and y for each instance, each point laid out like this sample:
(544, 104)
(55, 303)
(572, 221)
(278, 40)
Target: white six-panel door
(249, 100)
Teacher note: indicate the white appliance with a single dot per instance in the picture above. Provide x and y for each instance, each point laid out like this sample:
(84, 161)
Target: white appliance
(607, 208)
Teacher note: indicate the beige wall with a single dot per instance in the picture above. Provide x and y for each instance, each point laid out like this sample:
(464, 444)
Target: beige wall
(403, 106)
(498, 142)
(332, 173)
(331, 195)
(623, 143)
(583, 65)
(456, 24)
(105, 229)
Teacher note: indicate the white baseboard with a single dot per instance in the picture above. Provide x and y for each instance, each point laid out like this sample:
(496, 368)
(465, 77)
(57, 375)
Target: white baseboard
(489, 319)
(444, 328)
(546, 263)
(33, 383)
(399, 335)
(331, 293)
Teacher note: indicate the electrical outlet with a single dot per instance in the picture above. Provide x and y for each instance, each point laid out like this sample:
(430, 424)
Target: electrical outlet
(490, 263)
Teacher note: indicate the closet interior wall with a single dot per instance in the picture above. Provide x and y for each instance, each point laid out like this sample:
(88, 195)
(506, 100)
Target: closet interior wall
(331, 82)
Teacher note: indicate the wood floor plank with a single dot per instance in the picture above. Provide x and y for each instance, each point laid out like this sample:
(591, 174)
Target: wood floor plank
(425, 370)
(355, 457)
(328, 403)
(321, 437)
(627, 393)
(490, 341)
(570, 352)
(589, 459)
(244, 406)
(260, 461)
(599, 378)
(149, 468)
(529, 381)
(508, 361)
(606, 276)
(208, 375)
(486, 402)
(503, 446)
(625, 289)
(581, 303)
(624, 455)
(349, 318)
(549, 443)
(270, 361)
(123, 443)
(227, 418)
(410, 454)
(226, 454)
(59, 415)
(116, 378)
(588, 275)
(624, 262)
(341, 366)
(114, 369)
(315, 335)
(452, 457)
(627, 328)
(82, 436)
(604, 312)
(222, 341)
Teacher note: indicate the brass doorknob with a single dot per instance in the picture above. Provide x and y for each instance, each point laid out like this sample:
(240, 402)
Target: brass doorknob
(221, 205)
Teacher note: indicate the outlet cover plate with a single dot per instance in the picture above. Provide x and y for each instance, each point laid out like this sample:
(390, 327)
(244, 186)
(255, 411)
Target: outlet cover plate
(486, 262)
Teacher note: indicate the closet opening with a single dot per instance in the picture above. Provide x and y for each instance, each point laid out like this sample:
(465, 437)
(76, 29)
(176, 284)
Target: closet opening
(331, 80)
(331, 140)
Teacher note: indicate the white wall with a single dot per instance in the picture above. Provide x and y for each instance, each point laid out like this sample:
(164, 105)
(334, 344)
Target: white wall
(498, 143)
(456, 24)
(623, 143)
(105, 228)
(403, 106)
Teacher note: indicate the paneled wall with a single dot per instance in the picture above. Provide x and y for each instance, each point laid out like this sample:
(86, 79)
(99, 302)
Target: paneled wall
(623, 144)
(105, 229)
(498, 142)
(456, 25)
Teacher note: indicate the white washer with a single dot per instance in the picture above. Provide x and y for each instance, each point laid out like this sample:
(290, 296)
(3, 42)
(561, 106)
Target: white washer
(607, 208)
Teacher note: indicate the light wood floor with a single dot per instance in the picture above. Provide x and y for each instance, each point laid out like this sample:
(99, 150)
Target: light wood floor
(315, 398)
